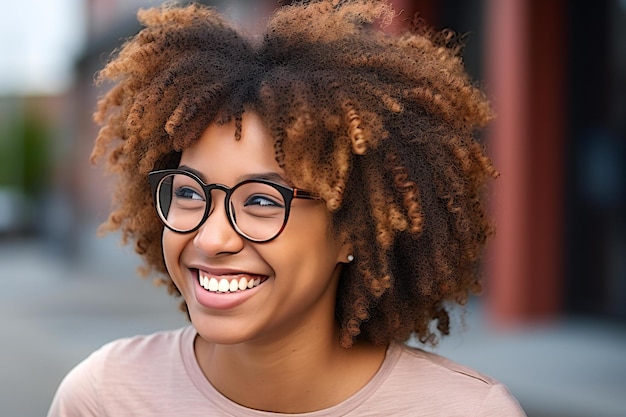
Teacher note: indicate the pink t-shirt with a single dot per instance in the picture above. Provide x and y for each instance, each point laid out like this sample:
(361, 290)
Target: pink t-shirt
(158, 375)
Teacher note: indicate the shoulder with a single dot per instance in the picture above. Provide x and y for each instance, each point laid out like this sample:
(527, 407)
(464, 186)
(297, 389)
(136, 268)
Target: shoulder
(440, 386)
(135, 356)
(117, 367)
(143, 348)
(437, 367)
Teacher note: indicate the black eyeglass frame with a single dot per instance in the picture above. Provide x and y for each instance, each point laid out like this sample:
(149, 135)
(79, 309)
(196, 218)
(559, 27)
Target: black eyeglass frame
(156, 177)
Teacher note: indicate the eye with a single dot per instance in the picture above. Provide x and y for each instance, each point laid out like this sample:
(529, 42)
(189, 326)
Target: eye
(188, 193)
(262, 201)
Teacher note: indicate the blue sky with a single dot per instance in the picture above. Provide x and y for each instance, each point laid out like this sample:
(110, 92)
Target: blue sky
(39, 41)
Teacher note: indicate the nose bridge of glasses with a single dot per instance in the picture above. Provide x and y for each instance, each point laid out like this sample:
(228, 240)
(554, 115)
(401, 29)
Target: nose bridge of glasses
(210, 217)
(211, 201)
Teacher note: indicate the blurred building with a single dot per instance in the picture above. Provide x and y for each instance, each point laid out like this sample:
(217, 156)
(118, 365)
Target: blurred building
(555, 72)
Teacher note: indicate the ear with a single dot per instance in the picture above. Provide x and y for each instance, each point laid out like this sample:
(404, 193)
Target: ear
(346, 250)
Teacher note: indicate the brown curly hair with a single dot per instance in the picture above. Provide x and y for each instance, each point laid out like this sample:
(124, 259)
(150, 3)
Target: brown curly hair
(381, 125)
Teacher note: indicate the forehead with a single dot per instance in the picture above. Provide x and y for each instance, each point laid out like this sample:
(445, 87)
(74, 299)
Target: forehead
(220, 157)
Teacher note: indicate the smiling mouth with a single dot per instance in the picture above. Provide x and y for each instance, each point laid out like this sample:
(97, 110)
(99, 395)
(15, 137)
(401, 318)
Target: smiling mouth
(230, 283)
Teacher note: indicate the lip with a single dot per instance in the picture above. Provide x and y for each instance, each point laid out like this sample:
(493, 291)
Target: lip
(227, 300)
(219, 271)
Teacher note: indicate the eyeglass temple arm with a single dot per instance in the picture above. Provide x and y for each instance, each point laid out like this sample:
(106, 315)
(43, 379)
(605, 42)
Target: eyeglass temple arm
(304, 194)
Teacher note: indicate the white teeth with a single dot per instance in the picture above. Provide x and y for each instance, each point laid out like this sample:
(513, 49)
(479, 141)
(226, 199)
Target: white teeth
(224, 285)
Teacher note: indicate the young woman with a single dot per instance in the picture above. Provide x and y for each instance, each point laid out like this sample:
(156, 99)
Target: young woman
(315, 197)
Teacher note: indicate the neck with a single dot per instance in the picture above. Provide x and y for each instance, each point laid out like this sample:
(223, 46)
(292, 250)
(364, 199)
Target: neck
(289, 376)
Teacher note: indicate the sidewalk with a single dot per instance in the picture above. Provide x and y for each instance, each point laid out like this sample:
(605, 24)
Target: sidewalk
(54, 313)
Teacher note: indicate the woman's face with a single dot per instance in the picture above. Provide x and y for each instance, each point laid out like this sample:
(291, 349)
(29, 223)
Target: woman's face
(297, 272)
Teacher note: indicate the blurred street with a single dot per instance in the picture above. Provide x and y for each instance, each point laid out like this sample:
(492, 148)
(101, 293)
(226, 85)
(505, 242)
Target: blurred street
(54, 313)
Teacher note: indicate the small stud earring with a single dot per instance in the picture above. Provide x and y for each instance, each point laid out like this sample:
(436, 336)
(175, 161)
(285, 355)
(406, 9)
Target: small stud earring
(350, 258)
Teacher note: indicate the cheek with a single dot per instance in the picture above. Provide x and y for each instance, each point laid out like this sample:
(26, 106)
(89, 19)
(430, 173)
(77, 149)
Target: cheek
(309, 243)
(173, 244)
(317, 231)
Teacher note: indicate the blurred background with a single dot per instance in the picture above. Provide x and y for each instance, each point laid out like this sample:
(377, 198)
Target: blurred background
(552, 323)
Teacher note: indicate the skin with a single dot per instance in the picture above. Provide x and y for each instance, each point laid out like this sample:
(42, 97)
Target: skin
(278, 349)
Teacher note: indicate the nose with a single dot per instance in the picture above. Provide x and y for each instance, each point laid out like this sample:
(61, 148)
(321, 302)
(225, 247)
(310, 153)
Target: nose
(216, 236)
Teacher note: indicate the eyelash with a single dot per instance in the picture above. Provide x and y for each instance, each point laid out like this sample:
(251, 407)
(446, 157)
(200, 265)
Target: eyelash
(252, 199)
(181, 192)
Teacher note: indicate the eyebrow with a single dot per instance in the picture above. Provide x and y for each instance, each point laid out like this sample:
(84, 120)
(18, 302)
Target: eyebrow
(268, 176)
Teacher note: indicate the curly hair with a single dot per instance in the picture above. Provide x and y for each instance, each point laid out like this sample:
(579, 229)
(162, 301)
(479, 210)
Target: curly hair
(381, 125)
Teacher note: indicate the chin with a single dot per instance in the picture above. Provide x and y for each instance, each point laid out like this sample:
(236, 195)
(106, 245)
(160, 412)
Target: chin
(221, 330)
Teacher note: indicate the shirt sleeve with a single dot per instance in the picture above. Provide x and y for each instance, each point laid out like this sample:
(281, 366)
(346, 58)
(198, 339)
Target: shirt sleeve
(500, 403)
(77, 395)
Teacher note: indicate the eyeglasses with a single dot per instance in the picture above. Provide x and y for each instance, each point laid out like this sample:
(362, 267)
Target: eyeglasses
(257, 209)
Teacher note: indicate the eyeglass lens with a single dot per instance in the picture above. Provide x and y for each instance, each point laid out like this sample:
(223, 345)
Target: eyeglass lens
(257, 210)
